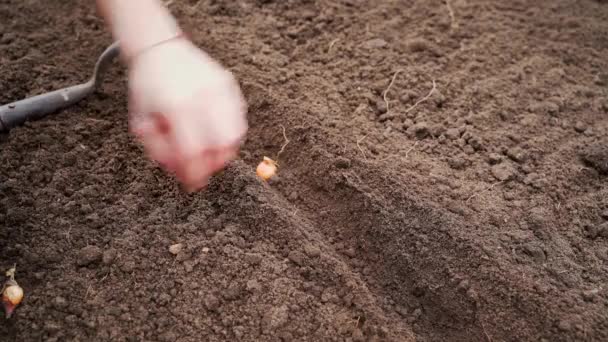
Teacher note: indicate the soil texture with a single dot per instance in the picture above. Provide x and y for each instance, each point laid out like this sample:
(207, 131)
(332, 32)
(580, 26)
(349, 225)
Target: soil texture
(445, 178)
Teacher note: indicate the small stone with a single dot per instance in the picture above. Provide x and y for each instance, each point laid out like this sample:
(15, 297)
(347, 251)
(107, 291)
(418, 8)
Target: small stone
(437, 130)
(418, 45)
(275, 318)
(452, 133)
(71, 319)
(564, 325)
(163, 299)
(253, 286)
(494, 158)
(420, 130)
(361, 108)
(51, 327)
(168, 336)
(591, 231)
(376, 43)
(468, 150)
(183, 255)
(416, 314)
(205, 250)
(327, 296)
(212, 303)
(109, 256)
(407, 124)
(457, 162)
(275, 180)
(239, 332)
(8, 38)
(387, 116)
(438, 98)
(350, 252)
(89, 255)
(296, 257)
(517, 154)
(590, 295)
(312, 250)
(603, 230)
(601, 79)
(189, 266)
(477, 143)
(128, 266)
(596, 156)
(580, 127)
(60, 303)
(381, 107)
(545, 107)
(464, 285)
(253, 258)
(293, 196)
(342, 163)
(503, 172)
(401, 311)
(176, 248)
(535, 251)
(233, 291)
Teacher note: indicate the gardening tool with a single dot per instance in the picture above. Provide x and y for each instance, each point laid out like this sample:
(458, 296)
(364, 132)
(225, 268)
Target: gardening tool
(36, 107)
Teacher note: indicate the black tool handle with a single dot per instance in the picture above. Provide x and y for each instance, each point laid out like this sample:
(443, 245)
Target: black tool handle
(36, 107)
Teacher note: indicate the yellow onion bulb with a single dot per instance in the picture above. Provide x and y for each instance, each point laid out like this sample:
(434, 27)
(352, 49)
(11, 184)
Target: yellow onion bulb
(11, 297)
(13, 294)
(266, 169)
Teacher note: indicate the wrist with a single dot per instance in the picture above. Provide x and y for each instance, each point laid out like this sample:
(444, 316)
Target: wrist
(139, 24)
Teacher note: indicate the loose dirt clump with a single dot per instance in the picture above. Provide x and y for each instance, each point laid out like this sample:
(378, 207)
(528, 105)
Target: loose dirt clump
(444, 180)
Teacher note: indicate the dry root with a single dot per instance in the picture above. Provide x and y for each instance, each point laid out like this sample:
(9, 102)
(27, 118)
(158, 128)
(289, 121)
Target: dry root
(284, 145)
(424, 98)
(359, 146)
(389, 88)
(453, 23)
(484, 190)
(332, 43)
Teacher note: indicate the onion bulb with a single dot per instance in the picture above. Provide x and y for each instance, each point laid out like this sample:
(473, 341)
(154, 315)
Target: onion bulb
(11, 297)
(266, 169)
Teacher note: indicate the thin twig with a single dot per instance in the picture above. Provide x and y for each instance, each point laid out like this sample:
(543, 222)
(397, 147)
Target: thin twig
(424, 98)
(359, 146)
(86, 294)
(406, 152)
(410, 150)
(484, 190)
(453, 23)
(284, 145)
(483, 327)
(332, 43)
(389, 88)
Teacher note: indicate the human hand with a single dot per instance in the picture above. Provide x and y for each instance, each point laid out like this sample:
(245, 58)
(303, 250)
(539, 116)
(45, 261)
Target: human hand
(187, 110)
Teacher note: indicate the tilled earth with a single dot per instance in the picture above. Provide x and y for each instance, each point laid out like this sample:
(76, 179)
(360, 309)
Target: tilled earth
(445, 178)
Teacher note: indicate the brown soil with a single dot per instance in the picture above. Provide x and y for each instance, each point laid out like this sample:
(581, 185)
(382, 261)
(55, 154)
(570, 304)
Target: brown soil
(480, 214)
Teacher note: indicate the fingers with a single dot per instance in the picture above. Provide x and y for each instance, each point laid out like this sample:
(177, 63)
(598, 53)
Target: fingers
(191, 163)
(195, 172)
(194, 137)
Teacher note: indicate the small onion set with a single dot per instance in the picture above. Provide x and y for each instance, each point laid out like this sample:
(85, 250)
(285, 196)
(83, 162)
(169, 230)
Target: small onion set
(266, 169)
(12, 294)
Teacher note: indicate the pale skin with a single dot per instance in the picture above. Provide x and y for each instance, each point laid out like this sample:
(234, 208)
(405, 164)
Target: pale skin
(185, 108)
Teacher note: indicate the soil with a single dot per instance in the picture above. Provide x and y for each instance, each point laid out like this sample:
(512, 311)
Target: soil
(476, 213)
